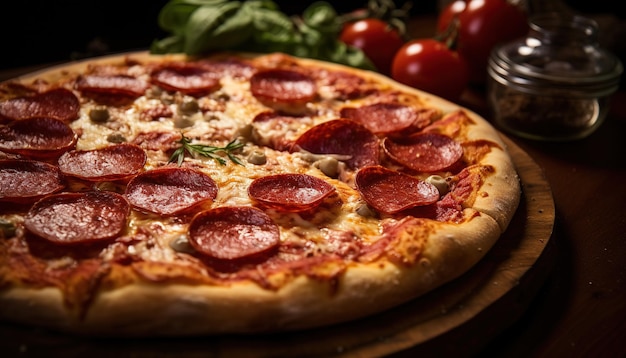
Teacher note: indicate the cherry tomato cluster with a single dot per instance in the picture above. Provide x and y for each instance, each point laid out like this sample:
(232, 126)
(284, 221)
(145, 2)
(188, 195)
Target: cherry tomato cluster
(376, 38)
(446, 64)
(482, 24)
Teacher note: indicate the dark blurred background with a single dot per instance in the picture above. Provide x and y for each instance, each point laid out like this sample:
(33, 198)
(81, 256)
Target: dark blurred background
(43, 31)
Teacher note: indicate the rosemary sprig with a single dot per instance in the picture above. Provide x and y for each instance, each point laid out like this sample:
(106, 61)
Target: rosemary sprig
(204, 150)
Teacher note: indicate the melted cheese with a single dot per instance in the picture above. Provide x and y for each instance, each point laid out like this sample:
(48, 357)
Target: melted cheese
(231, 111)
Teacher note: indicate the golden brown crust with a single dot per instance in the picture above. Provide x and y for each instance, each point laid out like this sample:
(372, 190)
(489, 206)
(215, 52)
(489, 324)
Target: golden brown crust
(431, 254)
(175, 309)
(501, 191)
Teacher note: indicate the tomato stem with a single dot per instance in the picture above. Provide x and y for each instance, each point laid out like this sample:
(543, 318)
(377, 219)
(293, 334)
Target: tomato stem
(449, 36)
(385, 10)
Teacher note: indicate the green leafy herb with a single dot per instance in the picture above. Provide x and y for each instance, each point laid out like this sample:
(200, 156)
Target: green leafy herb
(202, 26)
(208, 151)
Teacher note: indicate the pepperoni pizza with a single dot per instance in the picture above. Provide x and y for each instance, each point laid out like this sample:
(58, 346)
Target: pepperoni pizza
(146, 195)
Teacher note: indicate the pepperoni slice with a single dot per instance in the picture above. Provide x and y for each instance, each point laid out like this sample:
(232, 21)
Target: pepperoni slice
(388, 118)
(231, 67)
(344, 85)
(37, 137)
(26, 181)
(70, 218)
(231, 233)
(186, 78)
(108, 163)
(157, 141)
(59, 103)
(124, 85)
(425, 152)
(170, 190)
(290, 192)
(342, 137)
(284, 90)
(390, 192)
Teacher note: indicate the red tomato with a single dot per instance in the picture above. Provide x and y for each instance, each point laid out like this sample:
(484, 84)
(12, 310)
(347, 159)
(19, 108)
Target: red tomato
(483, 24)
(378, 41)
(448, 13)
(431, 66)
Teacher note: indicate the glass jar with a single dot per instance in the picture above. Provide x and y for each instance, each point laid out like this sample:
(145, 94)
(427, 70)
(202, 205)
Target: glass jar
(555, 84)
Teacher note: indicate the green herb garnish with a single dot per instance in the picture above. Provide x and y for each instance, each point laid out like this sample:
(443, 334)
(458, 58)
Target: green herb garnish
(208, 151)
(201, 26)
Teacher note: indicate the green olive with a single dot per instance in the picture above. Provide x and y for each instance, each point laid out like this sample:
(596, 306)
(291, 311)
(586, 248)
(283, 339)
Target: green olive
(328, 166)
(364, 210)
(245, 132)
(257, 157)
(183, 122)
(439, 182)
(99, 114)
(309, 157)
(189, 106)
(221, 96)
(181, 244)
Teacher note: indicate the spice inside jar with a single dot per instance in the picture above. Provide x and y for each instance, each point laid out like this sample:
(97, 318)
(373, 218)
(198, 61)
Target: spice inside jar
(555, 84)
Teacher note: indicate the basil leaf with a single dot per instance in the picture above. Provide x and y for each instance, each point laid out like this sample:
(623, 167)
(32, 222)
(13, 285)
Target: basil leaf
(322, 17)
(216, 27)
(201, 26)
(202, 2)
(171, 44)
(234, 31)
(351, 56)
(174, 16)
(263, 4)
(271, 27)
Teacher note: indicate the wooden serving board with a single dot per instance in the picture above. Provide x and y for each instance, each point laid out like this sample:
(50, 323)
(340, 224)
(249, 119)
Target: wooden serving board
(458, 318)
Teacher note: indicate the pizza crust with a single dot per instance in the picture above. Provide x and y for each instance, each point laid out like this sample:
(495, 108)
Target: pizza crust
(500, 195)
(152, 309)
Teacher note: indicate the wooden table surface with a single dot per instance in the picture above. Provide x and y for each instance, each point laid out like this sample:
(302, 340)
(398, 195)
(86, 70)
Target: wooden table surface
(580, 309)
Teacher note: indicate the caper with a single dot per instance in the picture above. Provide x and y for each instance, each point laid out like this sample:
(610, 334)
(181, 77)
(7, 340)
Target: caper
(257, 157)
(189, 106)
(181, 244)
(116, 138)
(220, 95)
(7, 229)
(183, 122)
(99, 114)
